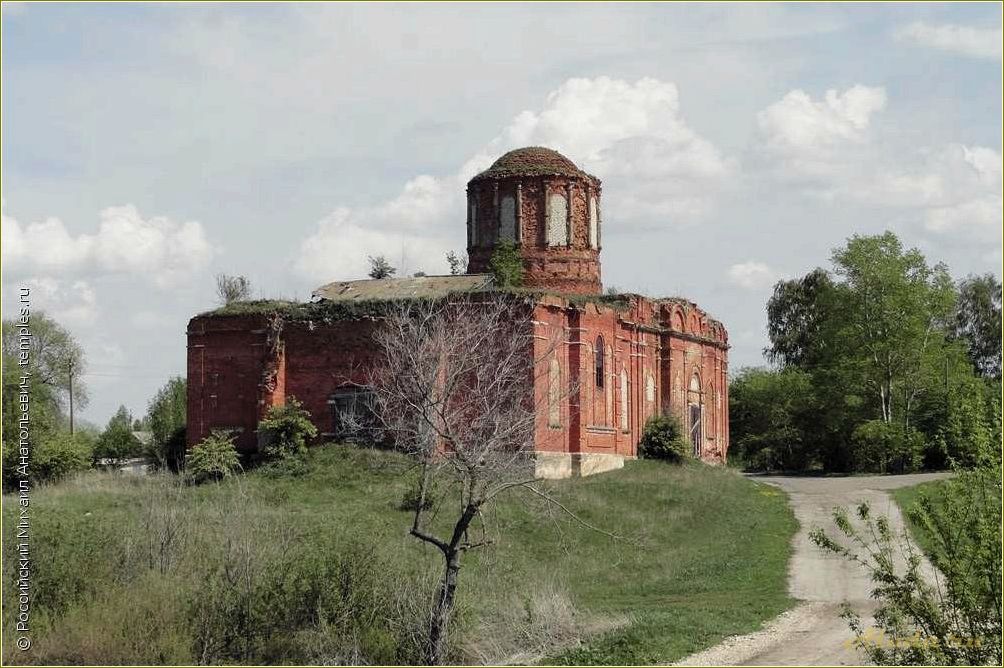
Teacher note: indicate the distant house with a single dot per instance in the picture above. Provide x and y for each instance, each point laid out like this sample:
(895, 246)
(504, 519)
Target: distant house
(630, 356)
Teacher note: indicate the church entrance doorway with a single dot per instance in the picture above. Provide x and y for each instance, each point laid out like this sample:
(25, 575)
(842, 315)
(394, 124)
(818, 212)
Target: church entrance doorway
(695, 429)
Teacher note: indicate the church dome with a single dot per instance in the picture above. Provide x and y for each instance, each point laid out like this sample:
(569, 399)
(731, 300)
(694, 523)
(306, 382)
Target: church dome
(532, 161)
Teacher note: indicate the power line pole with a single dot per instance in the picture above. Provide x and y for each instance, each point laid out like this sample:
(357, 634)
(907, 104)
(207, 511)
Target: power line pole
(70, 370)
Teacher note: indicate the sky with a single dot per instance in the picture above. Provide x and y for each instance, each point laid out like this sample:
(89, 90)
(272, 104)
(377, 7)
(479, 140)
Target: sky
(147, 148)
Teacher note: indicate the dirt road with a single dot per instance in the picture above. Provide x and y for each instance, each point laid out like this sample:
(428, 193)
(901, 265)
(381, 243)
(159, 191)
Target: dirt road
(813, 633)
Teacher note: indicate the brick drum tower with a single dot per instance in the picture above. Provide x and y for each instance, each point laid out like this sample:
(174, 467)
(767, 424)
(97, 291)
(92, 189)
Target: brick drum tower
(538, 199)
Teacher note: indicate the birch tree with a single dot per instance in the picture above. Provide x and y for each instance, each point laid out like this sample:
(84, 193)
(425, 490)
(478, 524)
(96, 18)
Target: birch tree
(896, 312)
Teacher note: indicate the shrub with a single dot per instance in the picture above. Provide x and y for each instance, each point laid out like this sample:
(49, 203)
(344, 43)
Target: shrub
(53, 456)
(214, 458)
(957, 616)
(285, 430)
(506, 265)
(965, 438)
(663, 439)
(886, 447)
(288, 467)
(60, 455)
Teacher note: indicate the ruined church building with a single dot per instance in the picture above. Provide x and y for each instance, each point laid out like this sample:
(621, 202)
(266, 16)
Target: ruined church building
(630, 358)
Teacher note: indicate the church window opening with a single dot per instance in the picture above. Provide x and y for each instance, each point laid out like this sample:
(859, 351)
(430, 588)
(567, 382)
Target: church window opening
(594, 224)
(625, 402)
(554, 393)
(507, 219)
(598, 354)
(696, 414)
(353, 415)
(474, 223)
(557, 220)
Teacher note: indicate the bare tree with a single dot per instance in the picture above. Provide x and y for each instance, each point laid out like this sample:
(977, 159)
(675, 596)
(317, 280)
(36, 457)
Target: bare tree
(232, 289)
(456, 390)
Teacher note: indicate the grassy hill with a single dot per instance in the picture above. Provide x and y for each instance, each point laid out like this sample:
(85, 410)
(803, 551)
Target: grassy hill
(319, 567)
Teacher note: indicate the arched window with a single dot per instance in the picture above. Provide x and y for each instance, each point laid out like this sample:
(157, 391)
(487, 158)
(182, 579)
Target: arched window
(507, 219)
(554, 393)
(599, 355)
(696, 414)
(625, 401)
(594, 224)
(557, 220)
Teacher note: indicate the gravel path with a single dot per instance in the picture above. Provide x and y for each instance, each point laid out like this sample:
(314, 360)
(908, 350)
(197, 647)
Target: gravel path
(813, 634)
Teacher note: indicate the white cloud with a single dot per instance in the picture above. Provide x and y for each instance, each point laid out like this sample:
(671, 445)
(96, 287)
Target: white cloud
(752, 275)
(655, 168)
(963, 40)
(157, 249)
(797, 123)
(339, 247)
(825, 149)
(72, 304)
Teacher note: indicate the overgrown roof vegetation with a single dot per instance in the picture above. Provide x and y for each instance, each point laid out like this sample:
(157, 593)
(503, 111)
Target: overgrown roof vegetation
(533, 161)
(326, 310)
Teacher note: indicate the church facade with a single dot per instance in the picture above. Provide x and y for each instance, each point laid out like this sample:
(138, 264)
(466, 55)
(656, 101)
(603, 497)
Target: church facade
(629, 357)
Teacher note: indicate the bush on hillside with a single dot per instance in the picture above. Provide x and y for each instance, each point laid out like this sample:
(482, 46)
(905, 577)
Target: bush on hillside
(53, 456)
(886, 447)
(663, 439)
(213, 458)
(285, 430)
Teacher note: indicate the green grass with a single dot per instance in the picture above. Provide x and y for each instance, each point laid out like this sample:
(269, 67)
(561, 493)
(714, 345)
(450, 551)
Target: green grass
(698, 553)
(907, 498)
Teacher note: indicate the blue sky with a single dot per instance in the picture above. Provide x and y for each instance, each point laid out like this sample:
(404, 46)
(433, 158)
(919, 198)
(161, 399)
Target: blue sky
(148, 147)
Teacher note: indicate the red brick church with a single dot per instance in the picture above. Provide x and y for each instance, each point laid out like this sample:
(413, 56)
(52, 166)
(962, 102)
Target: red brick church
(630, 356)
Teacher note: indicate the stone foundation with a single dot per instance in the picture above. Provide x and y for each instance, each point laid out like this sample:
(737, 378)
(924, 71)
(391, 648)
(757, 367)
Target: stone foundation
(557, 465)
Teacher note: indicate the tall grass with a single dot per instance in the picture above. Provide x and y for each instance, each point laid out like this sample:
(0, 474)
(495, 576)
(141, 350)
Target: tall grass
(319, 568)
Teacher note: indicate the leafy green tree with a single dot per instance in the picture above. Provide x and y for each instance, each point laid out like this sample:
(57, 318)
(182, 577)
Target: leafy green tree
(801, 315)
(896, 309)
(53, 353)
(117, 441)
(54, 358)
(977, 321)
(380, 267)
(166, 418)
(882, 337)
(771, 414)
(506, 265)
